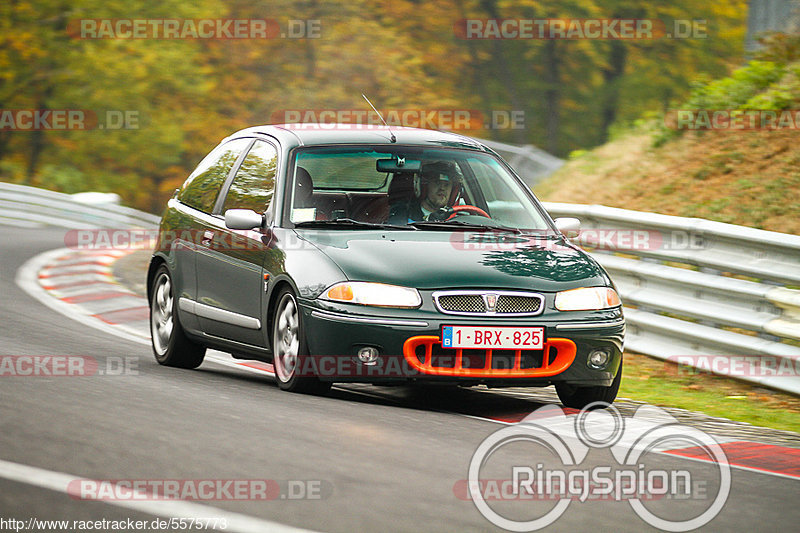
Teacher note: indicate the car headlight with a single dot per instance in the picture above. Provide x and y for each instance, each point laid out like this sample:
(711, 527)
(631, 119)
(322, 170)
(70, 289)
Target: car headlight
(587, 299)
(376, 294)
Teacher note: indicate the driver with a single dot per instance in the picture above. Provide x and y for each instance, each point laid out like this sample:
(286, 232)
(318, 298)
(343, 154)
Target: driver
(440, 187)
(433, 196)
(438, 190)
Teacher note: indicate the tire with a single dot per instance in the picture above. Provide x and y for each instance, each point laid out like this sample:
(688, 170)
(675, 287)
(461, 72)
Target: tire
(581, 397)
(170, 344)
(289, 347)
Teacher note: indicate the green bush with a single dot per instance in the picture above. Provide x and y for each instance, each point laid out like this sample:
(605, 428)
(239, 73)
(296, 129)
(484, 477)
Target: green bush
(765, 85)
(736, 90)
(11, 171)
(785, 94)
(63, 179)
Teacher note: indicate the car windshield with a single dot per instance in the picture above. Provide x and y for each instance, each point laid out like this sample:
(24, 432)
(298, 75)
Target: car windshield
(424, 188)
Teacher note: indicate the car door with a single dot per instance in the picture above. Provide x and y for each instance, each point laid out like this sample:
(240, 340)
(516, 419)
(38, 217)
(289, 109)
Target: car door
(196, 201)
(230, 269)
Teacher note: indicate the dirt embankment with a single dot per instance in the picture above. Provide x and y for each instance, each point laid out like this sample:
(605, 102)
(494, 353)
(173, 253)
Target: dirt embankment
(750, 178)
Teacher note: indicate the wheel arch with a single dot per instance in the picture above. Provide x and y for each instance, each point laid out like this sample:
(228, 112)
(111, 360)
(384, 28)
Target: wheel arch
(155, 262)
(272, 300)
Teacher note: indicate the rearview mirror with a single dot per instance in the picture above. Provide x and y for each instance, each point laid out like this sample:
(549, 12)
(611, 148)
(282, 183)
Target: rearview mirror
(399, 164)
(570, 227)
(243, 219)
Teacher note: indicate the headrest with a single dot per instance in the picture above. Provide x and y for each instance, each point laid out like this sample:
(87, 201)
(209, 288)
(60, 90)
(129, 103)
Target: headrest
(401, 187)
(303, 186)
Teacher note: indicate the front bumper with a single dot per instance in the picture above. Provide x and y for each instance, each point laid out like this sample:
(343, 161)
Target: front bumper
(409, 345)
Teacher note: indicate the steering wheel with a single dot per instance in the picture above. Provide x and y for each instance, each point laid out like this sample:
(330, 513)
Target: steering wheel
(467, 209)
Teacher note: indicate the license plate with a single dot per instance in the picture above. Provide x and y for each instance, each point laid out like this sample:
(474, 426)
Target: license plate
(498, 338)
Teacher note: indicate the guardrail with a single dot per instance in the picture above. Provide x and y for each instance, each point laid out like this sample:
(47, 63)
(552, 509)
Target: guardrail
(531, 163)
(704, 293)
(21, 205)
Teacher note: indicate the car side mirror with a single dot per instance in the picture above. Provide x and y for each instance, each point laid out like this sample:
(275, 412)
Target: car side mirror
(245, 219)
(570, 227)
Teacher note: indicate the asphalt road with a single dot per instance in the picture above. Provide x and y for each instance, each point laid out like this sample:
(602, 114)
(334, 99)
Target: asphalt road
(387, 459)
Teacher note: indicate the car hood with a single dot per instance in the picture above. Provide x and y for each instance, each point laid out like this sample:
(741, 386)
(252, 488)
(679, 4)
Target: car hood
(442, 259)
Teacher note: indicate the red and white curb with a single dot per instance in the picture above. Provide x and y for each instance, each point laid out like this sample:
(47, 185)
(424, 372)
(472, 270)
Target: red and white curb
(80, 284)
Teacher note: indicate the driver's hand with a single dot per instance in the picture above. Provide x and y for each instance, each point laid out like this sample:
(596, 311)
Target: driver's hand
(441, 214)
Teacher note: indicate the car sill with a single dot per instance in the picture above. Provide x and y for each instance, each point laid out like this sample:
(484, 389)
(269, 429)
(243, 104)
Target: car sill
(220, 315)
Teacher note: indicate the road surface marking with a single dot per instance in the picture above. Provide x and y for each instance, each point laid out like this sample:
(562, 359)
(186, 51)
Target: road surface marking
(59, 482)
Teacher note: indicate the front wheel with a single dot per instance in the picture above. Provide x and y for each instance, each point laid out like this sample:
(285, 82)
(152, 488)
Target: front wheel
(289, 348)
(580, 397)
(171, 346)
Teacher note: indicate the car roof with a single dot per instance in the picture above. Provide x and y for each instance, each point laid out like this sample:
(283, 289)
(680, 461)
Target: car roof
(292, 135)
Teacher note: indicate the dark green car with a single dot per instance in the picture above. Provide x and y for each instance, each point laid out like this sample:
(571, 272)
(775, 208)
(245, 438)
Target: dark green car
(358, 253)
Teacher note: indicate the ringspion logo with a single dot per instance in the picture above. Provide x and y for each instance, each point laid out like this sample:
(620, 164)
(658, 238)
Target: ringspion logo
(565, 476)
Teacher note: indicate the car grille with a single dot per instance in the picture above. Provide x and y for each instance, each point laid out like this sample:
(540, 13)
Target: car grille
(479, 303)
(518, 304)
(462, 303)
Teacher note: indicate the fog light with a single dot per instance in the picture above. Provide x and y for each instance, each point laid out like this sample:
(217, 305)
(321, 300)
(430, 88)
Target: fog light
(368, 355)
(598, 359)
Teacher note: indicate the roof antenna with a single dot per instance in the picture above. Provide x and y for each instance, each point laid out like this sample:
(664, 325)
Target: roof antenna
(392, 138)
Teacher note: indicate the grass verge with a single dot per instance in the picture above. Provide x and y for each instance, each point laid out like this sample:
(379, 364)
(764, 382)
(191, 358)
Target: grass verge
(661, 383)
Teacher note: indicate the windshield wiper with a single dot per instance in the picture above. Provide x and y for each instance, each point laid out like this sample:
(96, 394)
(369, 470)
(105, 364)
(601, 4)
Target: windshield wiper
(548, 235)
(460, 224)
(348, 223)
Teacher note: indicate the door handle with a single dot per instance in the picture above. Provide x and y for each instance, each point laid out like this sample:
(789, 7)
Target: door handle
(208, 236)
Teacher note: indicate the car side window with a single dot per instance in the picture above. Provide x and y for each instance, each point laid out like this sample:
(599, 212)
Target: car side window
(254, 183)
(203, 185)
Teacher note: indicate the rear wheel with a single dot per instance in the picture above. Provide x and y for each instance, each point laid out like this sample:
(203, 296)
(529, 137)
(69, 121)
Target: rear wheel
(289, 348)
(171, 346)
(580, 397)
